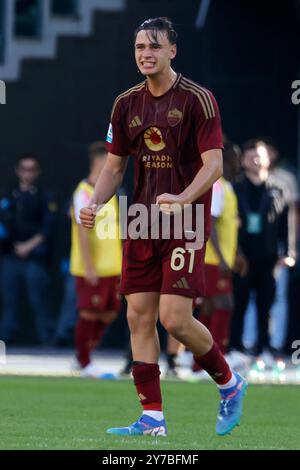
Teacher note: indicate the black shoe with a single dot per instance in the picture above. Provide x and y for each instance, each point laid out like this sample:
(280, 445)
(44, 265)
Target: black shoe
(171, 372)
(127, 368)
(276, 353)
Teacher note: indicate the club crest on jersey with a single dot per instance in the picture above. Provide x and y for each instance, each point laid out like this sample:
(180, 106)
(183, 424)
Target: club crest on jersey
(109, 137)
(153, 139)
(174, 117)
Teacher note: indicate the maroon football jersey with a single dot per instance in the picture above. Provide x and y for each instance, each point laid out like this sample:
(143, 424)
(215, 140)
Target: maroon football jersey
(166, 136)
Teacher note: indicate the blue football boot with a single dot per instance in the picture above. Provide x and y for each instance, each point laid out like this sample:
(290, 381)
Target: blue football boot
(145, 425)
(231, 404)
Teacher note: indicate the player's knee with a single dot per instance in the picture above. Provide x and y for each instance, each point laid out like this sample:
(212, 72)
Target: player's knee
(142, 323)
(89, 314)
(173, 325)
(132, 319)
(108, 317)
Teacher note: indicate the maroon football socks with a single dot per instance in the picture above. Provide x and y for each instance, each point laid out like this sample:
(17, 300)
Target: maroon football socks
(219, 328)
(88, 334)
(215, 365)
(147, 383)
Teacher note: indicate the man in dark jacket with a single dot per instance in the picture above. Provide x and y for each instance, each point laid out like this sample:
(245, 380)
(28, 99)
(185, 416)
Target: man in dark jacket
(27, 212)
(263, 225)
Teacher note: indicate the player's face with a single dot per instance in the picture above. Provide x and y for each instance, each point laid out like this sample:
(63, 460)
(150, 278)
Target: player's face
(256, 159)
(28, 171)
(153, 55)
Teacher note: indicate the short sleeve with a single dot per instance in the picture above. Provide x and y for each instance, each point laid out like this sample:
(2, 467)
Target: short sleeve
(117, 141)
(209, 128)
(217, 201)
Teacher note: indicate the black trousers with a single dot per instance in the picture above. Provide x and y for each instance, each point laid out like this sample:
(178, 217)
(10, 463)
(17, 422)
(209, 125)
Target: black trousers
(259, 279)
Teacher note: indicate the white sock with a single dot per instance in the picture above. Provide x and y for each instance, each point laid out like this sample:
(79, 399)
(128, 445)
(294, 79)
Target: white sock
(231, 383)
(158, 415)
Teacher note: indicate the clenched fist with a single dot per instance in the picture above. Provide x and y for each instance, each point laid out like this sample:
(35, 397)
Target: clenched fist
(87, 216)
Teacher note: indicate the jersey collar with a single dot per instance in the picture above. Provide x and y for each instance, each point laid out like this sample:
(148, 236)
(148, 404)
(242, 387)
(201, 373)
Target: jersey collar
(175, 84)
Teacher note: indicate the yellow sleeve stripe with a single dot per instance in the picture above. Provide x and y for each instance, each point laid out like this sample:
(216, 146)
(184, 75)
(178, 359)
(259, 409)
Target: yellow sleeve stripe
(205, 93)
(202, 95)
(127, 93)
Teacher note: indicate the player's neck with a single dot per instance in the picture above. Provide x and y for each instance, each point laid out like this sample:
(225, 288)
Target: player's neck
(258, 178)
(159, 84)
(25, 187)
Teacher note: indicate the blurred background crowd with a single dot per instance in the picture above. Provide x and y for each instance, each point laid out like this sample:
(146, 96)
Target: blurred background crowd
(64, 62)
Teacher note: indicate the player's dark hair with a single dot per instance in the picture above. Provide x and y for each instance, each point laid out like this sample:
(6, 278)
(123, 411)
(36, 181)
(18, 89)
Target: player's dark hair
(273, 145)
(96, 150)
(273, 149)
(231, 151)
(28, 156)
(156, 25)
(252, 144)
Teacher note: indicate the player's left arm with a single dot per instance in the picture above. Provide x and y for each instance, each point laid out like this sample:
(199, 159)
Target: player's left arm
(287, 237)
(211, 170)
(209, 142)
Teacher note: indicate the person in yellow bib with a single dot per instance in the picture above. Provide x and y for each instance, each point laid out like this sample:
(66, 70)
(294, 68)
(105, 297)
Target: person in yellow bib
(221, 251)
(96, 259)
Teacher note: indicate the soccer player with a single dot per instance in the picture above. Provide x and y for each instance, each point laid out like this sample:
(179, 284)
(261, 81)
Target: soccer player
(96, 264)
(171, 126)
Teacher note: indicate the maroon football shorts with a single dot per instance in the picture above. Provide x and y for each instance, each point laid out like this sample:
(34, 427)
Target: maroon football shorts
(216, 282)
(164, 266)
(102, 297)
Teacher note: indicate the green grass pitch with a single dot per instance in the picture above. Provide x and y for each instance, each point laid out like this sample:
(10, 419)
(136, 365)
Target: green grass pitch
(46, 413)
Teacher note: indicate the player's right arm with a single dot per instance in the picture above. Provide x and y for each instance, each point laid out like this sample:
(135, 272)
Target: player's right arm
(90, 275)
(107, 184)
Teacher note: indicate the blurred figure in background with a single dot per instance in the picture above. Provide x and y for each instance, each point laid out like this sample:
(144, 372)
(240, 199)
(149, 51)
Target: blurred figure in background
(280, 309)
(221, 251)
(286, 180)
(96, 263)
(293, 326)
(264, 214)
(27, 213)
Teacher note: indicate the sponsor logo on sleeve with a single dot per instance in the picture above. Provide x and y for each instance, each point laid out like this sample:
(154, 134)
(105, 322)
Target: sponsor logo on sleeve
(109, 137)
